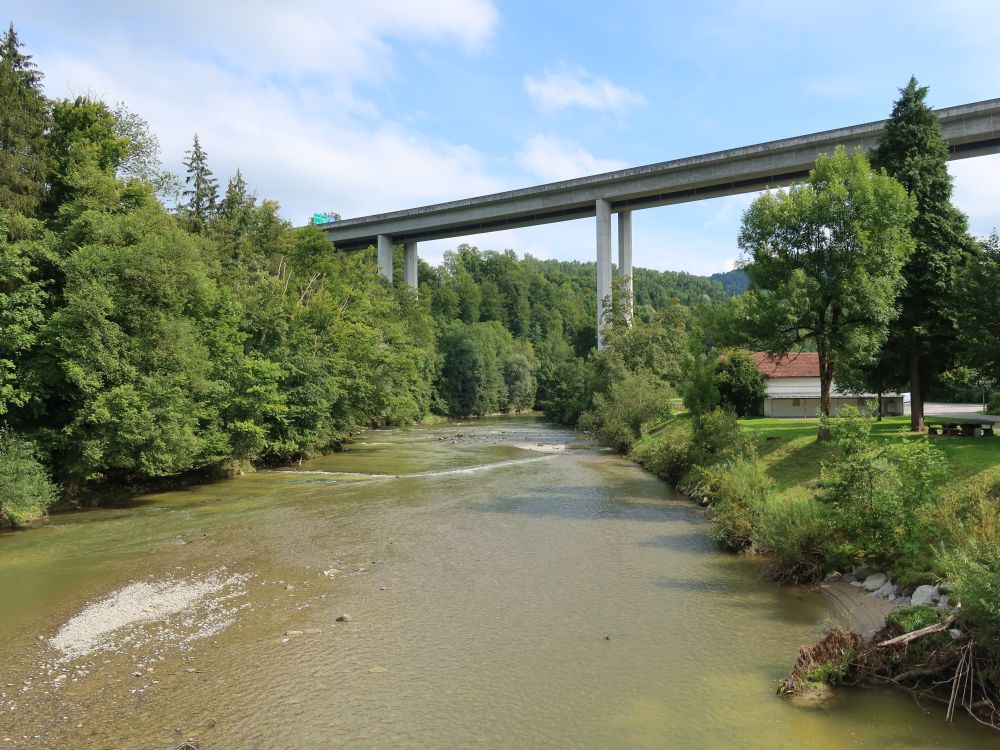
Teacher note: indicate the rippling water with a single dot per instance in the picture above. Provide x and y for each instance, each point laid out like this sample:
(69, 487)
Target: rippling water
(503, 592)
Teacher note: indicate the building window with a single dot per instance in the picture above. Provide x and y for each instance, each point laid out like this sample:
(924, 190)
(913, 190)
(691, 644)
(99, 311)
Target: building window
(796, 402)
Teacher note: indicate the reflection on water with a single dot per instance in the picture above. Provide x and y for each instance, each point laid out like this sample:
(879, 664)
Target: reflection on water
(502, 592)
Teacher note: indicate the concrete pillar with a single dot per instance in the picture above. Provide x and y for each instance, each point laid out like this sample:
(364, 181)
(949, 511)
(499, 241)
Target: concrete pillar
(625, 258)
(385, 255)
(603, 263)
(410, 264)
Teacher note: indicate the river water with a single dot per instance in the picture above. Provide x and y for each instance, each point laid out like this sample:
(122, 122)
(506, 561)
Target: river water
(506, 587)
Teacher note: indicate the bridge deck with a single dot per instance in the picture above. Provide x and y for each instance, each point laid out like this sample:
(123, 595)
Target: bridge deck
(970, 129)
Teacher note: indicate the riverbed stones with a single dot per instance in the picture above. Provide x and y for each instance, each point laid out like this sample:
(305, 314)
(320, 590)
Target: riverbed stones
(925, 595)
(944, 602)
(345, 618)
(888, 590)
(834, 576)
(901, 601)
(863, 571)
(875, 581)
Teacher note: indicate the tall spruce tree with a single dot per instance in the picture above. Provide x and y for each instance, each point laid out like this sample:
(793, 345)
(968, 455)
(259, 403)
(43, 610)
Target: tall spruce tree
(203, 189)
(23, 123)
(924, 339)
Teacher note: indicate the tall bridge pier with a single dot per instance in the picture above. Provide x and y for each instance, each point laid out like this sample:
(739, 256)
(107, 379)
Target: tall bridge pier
(970, 130)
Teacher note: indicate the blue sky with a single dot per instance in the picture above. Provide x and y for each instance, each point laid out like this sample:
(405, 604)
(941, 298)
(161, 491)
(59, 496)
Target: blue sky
(367, 106)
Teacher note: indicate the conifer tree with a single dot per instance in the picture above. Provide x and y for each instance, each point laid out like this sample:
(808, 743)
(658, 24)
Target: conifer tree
(923, 340)
(202, 193)
(23, 122)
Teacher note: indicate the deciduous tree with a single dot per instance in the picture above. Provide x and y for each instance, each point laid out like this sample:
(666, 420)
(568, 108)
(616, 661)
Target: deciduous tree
(825, 261)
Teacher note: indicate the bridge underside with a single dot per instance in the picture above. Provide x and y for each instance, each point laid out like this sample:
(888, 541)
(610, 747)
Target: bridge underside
(969, 129)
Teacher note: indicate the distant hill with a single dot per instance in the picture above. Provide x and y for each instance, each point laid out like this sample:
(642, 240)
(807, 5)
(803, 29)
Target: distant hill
(734, 282)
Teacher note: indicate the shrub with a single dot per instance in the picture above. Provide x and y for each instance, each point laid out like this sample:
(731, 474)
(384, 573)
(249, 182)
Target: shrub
(880, 499)
(636, 399)
(737, 491)
(973, 573)
(793, 534)
(668, 453)
(741, 384)
(716, 437)
(25, 489)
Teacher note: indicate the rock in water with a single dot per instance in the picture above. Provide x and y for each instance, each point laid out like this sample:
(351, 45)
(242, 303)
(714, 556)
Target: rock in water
(344, 618)
(875, 581)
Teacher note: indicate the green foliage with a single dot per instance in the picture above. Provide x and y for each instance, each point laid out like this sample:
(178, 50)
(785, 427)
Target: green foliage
(202, 191)
(737, 490)
(24, 119)
(27, 260)
(909, 619)
(700, 387)
(793, 533)
(667, 453)
(973, 573)
(924, 341)
(741, 384)
(733, 282)
(880, 497)
(716, 437)
(25, 489)
(825, 263)
(632, 401)
(520, 383)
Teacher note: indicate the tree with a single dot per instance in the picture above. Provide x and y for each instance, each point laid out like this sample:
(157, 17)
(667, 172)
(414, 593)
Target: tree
(912, 150)
(24, 119)
(25, 489)
(981, 281)
(825, 262)
(203, 189)
(740, 382)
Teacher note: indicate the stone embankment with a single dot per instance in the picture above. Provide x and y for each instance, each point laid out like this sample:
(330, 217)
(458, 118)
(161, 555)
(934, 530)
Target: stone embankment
(863, 596)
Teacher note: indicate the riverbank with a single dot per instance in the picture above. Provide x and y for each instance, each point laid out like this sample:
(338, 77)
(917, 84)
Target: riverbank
(875, 498)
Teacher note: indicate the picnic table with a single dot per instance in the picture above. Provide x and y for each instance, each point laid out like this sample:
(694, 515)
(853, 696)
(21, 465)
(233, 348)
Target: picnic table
(961, 425)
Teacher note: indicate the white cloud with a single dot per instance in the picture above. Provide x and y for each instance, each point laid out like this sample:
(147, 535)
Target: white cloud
(578, 88)
(551, 159)
(277, 91)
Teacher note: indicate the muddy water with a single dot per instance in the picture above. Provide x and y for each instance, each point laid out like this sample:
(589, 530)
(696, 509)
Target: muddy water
(505, 589)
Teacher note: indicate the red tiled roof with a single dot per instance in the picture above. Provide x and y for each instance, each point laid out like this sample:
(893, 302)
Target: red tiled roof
(800, 365)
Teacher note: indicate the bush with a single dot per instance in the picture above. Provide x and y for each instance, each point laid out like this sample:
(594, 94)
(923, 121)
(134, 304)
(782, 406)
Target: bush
(636, 399)
(793, 534)
(668, 453)
(740, 382)
(717, 437)
(880, 499)
(25, 489)
(737, 490)
(973, 573)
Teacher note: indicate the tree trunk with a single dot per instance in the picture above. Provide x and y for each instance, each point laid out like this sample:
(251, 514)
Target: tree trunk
(916, 397)
(825, 383)
(880, 406)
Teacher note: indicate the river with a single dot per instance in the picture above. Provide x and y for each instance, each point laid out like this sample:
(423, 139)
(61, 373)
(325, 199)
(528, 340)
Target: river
(504, 586)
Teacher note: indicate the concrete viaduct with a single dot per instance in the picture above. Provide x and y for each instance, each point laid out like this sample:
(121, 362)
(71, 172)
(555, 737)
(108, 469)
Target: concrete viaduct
(970, 130)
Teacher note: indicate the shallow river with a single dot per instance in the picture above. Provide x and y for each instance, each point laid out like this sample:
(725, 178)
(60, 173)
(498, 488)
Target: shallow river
(506, 588)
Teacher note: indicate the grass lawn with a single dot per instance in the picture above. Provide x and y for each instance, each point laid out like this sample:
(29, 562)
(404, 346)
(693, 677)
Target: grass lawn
(792, 455)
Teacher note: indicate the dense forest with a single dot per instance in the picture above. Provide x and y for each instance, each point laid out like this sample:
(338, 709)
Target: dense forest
(153, 325)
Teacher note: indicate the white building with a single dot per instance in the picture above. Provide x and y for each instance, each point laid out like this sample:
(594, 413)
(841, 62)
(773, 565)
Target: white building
(793, 389)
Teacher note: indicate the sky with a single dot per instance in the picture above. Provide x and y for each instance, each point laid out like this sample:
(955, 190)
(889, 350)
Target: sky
(367, 106)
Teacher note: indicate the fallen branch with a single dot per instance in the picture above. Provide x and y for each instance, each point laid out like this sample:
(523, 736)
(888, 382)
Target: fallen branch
(905, 638)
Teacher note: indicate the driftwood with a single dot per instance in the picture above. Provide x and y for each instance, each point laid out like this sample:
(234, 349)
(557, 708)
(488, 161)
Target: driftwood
(905, 638)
